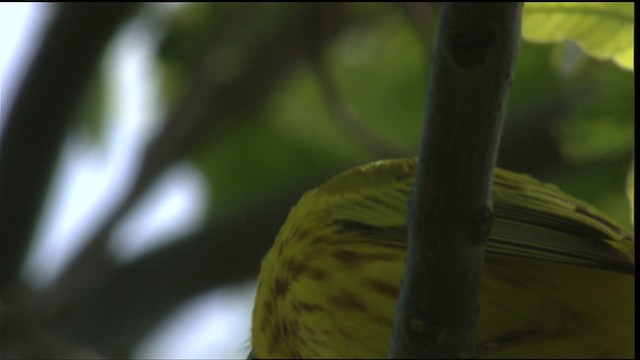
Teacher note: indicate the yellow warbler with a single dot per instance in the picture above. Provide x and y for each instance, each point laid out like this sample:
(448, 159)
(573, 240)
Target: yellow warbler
(558, 279)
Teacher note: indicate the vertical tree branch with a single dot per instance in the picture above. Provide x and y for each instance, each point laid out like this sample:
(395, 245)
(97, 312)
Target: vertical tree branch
(33, 135)
(450, 210)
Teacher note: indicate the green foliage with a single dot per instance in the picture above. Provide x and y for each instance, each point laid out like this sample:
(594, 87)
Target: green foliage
(380, 65)
(365, 57)
(604, 30)
(536, 81)
(283, 145)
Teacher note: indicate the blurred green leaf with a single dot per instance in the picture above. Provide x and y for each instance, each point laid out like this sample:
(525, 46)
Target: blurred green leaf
(602, 122)
(604, 30)
(387, 91)
(291, 141)
(536, 82)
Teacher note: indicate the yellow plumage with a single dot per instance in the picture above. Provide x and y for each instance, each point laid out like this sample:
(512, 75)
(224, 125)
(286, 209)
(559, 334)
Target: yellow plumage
(558, 279)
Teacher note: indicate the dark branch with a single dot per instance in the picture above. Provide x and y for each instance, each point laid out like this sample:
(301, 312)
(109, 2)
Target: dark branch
(198, 120)
(40, 117)
(139, 295)
(451, 207)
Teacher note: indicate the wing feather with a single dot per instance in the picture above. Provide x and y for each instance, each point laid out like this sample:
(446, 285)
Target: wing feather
(531, 219)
